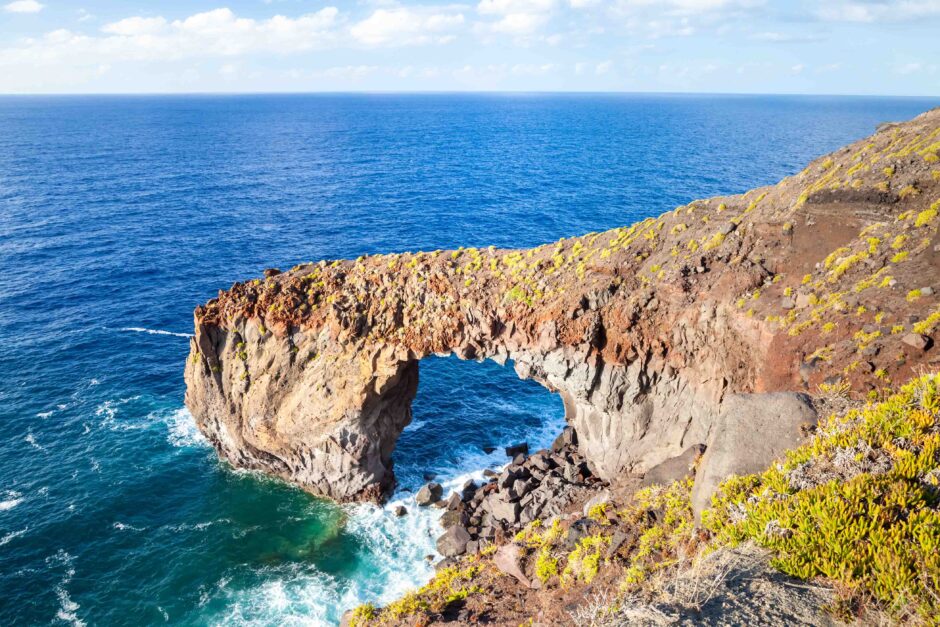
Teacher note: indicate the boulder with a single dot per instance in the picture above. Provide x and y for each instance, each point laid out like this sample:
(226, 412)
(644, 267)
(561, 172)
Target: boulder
(567, 437)
(751, 431)
(453, 501)
(453, 518)
(541, 461)
(916, 340)
(453, 542)
(428, 494)
(400, 510)
(468, 490)
(505, 511)
(516, 449)
(508, 559)
(520, 488)
(673, 469)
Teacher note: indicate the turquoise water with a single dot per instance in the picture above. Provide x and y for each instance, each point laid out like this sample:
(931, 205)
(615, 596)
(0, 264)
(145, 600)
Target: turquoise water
(119, 214)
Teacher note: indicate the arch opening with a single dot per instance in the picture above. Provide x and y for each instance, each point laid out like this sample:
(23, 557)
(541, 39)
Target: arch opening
(464, 415)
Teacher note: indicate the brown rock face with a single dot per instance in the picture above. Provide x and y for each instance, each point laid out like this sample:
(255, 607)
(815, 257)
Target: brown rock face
(643, 330)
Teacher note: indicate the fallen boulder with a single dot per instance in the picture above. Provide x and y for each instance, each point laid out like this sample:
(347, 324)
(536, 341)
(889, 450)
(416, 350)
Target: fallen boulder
(428, 494)
(508, 560)
(751, 431)
(454, 541)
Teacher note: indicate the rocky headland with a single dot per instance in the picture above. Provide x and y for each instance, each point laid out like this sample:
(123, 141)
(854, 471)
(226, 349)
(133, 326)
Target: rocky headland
(691, 347)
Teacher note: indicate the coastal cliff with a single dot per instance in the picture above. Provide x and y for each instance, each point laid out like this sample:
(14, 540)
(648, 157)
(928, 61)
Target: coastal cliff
(652, 334)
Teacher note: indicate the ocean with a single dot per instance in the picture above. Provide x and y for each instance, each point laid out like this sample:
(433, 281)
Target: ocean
(118, 215)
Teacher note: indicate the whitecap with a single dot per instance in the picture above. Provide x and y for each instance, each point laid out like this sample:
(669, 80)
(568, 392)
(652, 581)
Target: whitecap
(109, 410)
(122, 527)
(414, 426)
(310, 599)
(44, 414)
(155, 331)
(31, 440)
(197, 526)
(13, 535)
(68, 609)
(182, 430)
(10, 500)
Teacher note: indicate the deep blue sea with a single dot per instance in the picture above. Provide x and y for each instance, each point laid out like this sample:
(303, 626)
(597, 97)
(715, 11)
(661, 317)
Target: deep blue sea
(119, 214)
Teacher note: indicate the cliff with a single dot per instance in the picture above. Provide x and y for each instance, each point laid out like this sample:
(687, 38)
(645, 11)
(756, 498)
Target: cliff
(648, 332)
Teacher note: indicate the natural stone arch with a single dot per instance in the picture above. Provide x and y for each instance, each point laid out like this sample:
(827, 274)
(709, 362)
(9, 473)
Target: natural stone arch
(645, 330)
(325, 413)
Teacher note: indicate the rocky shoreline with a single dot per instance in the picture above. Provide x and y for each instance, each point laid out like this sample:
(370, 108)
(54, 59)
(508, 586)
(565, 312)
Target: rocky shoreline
(530, 487)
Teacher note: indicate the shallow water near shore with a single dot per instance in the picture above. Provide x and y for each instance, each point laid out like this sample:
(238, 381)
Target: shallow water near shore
(119, 214)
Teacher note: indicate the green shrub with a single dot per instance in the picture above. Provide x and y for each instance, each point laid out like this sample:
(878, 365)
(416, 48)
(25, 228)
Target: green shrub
(873, 525)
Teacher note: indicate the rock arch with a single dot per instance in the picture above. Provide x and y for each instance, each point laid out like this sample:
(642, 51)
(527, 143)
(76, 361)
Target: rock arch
(643, 330)
(324, 410)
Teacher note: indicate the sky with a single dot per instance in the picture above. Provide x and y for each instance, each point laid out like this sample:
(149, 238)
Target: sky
(870, 47)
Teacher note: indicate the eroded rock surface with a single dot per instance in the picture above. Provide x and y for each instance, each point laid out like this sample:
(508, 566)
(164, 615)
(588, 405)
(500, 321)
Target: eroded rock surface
(643, 330)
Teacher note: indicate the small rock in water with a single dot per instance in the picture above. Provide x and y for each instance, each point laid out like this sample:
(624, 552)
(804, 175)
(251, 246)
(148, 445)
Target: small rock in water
(489, 473)
(430, 493)
(468, 490)
(429, 476)
(400, 511)
(489, 449)
(516, 449)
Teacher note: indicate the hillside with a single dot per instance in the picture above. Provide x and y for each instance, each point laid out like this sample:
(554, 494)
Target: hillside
(732, 325)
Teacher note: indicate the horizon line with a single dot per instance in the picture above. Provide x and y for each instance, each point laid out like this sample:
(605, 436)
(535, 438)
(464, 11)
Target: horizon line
(377, 92)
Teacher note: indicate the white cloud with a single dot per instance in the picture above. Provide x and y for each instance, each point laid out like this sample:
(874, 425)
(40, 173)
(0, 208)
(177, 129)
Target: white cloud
(910, 68)
(784, 38)
(519, 23)
(879, 11)
(135, 26)
(686, 7)
(212, 33)
(23, 6)
(507, 7)
(517, 17)
(403, 26)
(603, 67)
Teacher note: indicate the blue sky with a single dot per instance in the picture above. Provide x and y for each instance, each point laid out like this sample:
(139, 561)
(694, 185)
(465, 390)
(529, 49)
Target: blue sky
(883, 47)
